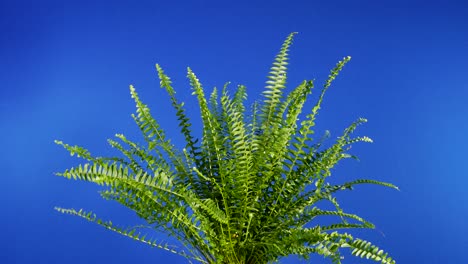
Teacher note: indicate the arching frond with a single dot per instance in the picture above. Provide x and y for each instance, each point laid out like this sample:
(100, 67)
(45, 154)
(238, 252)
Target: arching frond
(129, 232)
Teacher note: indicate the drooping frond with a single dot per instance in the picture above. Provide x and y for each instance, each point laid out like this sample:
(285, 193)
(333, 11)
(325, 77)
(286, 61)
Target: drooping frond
(128, 232)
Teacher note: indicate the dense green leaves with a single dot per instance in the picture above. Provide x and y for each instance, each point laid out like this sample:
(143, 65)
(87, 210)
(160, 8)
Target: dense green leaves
(247, 189)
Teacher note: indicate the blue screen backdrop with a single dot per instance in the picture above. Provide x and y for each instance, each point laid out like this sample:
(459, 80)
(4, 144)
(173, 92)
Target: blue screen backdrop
(65, 67)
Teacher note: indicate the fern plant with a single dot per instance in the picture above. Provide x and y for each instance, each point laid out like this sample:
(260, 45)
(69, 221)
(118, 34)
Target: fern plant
(245, 192)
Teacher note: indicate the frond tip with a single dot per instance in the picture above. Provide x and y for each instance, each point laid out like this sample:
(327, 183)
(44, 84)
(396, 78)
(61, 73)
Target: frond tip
(364, 249)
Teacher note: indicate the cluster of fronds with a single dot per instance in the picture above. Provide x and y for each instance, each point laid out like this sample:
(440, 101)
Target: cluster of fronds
(238, 195)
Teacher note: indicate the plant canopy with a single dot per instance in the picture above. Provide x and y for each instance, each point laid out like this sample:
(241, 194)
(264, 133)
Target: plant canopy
(243, 192)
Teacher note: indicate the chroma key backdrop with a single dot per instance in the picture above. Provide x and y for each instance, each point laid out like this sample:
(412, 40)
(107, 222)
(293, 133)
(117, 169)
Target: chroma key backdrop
(65, 73)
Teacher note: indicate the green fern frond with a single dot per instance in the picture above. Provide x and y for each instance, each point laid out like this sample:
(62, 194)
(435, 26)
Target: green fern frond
(312, 197)
(79, 151)
(348, 185)
(184, 122)
(154, 135)
(237, 135)
(275, 84)
(131, 233)
(306, 125)
(303, 157)
(314, 212)
(346, 226)
(364, 249)
(239, 97)
(111, 174)
(212, 142)
(271, 141)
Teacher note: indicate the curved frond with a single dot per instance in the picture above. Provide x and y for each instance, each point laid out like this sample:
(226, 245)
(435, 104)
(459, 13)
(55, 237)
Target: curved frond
(306, 126)
(364, 249)
(128, 232)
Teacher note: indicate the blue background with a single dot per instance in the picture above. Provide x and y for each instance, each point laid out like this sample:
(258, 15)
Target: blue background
(65, 67)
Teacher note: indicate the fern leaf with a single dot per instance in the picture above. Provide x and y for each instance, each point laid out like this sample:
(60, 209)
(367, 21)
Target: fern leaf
(364, 249)
(212, 141)
(306, 125)
(90, 216)
(184, 122)
(79, 151)
(154, 135)
(275, 84)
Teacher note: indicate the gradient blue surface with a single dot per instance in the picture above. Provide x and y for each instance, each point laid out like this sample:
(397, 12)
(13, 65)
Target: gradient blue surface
(65, 67)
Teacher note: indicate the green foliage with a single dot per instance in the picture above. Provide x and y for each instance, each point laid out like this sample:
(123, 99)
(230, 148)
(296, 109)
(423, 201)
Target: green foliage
(245, 192)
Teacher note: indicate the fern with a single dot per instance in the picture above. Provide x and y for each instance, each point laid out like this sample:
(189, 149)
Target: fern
(242, 192)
